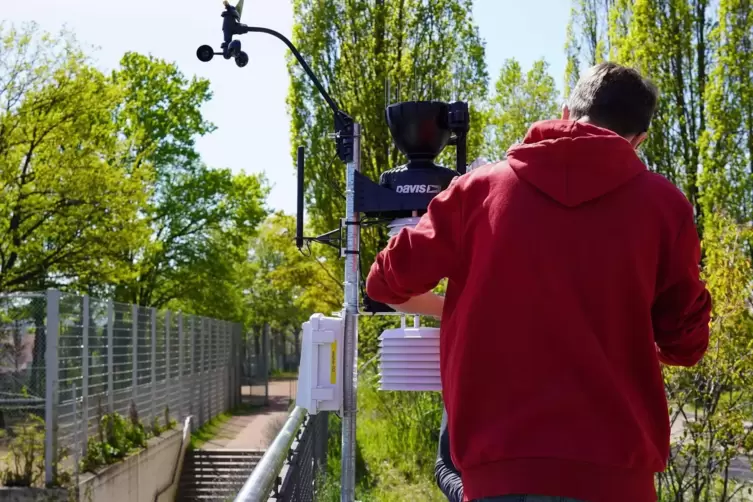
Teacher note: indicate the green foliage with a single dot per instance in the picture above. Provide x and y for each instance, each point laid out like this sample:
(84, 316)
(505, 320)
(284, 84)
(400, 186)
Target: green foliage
(26, 450)
(200, 218)
(519, 100)
(68, 210)
(165, 425)
(398, 433)
(157, 428)
(283, 286)
(117, 437)
(368, 55)
(712, 403)
(24, 463)
(103, 189)
(209, 430)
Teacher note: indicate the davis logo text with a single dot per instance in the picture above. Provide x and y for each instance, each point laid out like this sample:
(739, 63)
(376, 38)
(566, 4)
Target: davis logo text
(418, 189)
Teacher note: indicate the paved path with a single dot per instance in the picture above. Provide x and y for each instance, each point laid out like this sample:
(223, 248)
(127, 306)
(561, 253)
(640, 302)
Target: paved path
(257, 429)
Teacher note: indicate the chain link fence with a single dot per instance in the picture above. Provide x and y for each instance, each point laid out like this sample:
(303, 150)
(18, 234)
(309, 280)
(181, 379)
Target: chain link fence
(284, 348)
(306, 462)
(71, 359)
(22, 366)
(293, 467)
(255, 367)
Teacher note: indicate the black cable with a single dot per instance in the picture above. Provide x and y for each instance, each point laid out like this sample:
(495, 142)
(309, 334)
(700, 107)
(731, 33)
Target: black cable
(328, 178)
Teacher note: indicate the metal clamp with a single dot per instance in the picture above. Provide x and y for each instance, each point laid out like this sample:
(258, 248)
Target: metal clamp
(276, 488)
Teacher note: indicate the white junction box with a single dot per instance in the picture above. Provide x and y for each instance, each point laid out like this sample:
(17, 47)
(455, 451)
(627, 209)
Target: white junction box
(320, 370)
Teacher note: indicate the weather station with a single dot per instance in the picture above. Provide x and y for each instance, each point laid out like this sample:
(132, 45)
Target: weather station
(409, 356)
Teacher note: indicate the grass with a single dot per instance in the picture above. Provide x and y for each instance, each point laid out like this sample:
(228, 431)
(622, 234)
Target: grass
(212, 428)
(398, 434)
(283, 375)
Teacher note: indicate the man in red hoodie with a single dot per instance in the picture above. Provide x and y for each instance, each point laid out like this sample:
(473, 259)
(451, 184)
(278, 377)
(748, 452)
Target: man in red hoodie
(572, 272)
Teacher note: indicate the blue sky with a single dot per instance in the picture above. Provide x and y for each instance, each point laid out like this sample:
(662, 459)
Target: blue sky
(249, 105)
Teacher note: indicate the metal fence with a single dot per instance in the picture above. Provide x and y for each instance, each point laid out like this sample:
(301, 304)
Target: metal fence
(294, 462)
(284, 349)
(255, 366)
(307, 462)
(72, 358)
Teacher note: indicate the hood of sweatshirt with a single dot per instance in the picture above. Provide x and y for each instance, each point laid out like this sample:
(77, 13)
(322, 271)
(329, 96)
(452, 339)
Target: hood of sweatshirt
(574, 162)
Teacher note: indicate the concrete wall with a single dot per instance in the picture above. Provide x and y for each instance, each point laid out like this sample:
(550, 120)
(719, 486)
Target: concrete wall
(141, 477)
(138, 478)
(32, 495)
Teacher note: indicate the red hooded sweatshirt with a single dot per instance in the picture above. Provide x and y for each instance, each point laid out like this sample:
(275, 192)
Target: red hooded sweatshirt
(572, 272)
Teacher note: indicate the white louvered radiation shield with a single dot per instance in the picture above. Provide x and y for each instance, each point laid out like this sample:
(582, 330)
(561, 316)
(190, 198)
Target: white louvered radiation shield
(409, 359)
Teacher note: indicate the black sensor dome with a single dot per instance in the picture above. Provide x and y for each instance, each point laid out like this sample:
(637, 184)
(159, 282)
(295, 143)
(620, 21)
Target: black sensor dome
(419, 128)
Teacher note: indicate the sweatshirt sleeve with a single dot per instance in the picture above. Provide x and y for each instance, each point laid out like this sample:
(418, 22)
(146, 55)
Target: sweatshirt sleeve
(416, 259)
(682, 308)
(447, 476)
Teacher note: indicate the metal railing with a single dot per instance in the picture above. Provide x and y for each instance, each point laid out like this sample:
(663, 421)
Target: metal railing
(73, 358)
(291, 466)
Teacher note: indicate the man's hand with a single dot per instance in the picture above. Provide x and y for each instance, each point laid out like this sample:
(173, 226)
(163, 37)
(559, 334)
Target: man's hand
(427, 304)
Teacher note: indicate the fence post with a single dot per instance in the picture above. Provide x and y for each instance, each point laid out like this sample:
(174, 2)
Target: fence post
(266, 356)
(52, 376)
(154, 364)
(224, 363)
(168, 384)
(232, 358)
(191, 390)
(110, 357)
(201, 371)
(85, 372)
(237, 364)
(135, 352)
(76, 438)
(229, 364)
(181, 361)
(217, 360)
(209, 352)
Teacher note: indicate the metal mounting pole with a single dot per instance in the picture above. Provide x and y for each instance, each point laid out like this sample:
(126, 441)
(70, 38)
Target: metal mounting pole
(350, 342)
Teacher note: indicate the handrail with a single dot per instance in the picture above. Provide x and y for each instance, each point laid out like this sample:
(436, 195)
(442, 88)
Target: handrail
(264, 476)
(178, 467)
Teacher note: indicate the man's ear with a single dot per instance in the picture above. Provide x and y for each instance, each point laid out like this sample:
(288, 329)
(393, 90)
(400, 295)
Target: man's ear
(565, 112)
(638, 139)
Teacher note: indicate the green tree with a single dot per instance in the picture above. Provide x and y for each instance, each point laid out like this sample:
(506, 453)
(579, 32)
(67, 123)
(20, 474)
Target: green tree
(281, 286)
(68, 209)
(284, 286)
(669, 41)
(198, 216)
(519, 100)
(369, 54)
(215, 242)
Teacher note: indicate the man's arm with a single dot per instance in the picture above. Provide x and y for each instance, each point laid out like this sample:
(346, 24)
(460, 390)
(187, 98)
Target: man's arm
(682, 309)
(447, 476)
(428, 304)
(418, 258)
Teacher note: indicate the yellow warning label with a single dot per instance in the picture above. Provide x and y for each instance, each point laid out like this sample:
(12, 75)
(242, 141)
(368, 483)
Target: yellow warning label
(333, 364)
